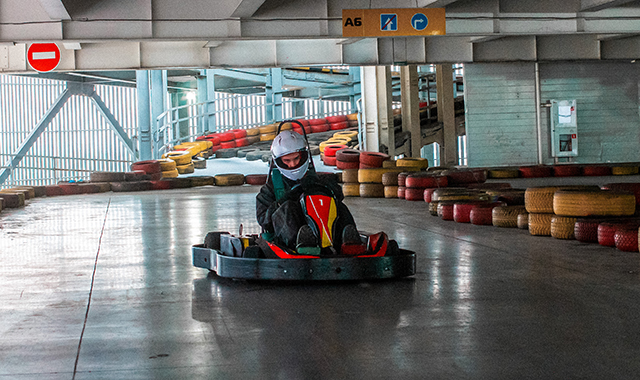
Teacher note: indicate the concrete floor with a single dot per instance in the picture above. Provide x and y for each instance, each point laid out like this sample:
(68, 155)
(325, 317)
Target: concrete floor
(102, 287)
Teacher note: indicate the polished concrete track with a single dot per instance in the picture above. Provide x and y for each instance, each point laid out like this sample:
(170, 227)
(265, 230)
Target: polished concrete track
(102, 287)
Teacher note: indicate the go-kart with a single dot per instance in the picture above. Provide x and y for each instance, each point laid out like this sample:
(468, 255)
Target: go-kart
(261, 257)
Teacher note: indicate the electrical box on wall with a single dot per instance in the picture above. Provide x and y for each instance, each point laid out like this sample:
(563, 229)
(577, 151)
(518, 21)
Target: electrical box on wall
(564, 128)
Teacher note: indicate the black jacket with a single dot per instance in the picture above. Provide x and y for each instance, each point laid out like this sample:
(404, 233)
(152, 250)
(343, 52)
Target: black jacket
(266, 203)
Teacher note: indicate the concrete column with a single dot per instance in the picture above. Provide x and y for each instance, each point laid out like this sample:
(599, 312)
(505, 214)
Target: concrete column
(446, 114)
(144, 115)
(379, 134)
(411, 107)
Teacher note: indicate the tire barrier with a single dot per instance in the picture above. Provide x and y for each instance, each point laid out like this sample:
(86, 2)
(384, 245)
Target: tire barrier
(180, 157)
(539, 200)
(319, 121)
(458, 194)
(566, 170)
(170, 173)
(596, 170)
(204, 180)
(253, 139)
(523, 221)
(462, 211)
(389, 164)
(225, 153)
(185, 169)
(28, 193)
(464, 177)
(512, 197)
(137, 175)
(506, 216)
(268, 129)
(489, 186)
(481, 215)
(318, 128)
(540, 224)
(242, 153)
(445, 210)
(53, 190)
(433, 208)
(414, 193)
(624, 170)
(410, 162)
(267, 137)
(391, 191)
(593, 203)
(228, 144)
(131, 186)
(329, 161)
(330, 150)
(371, 190)
(607, 231)
(149, 166)
(71, 188)
(626, 238)
(350, 175)
(426, 195)
(586, 229)
(166, 164)
(372, 159)
(226, 136)
(425, 180)
(336, 119)
(12, 199)
(255, 155)
(348, 155)
(339, 126)
(401, 191)
(253, 132)
(630, 187)
(231, 179)
(402, 176)
(535, 171)
(563, 227)
(390, 179)
(255, 179)
(351, 135)
(372, 175)
(242, 142)
(162, 184)
(503, 173)
(199, 163)
(107, 176)
(351, 189)
(180, 183)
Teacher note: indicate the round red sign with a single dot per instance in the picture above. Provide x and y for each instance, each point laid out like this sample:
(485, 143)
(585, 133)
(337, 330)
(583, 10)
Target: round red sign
(43, 57)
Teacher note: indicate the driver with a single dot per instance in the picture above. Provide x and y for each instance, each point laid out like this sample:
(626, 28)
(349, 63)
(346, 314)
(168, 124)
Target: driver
(278, 207)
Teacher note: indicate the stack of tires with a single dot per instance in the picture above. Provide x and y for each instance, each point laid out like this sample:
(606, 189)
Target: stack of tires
(240, 137)
(348, 159)
(152, 168)
(319, 125)
(350, 183)
(416, 183)
(305, 125)
(268, 132)
(371, 181)
(168, 168)
(329, 154)
(182, 159)
(443, 201)
(213, 139)
(337, 122)
(253, 135)
(352, 119)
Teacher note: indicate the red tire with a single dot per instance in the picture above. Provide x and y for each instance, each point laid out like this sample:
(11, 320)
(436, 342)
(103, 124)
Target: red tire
(228, 144)
(313, 122)
(606, 233)
(414, 194)
(535, 171)
(215, 140)
(330, 150)
(586, 230)
(626, 238)
(243, 141)
(69, 188)
(239, 133)
(215, 148)
(304, 122)
(338, 126)
(481, 216)
(566, 171)
(596, 170)
(148, 166)
(402, 178)
(255, 179)
(373, 159)
(401, 192)
(161, 185)
(445, 210)
(346, 165)
(226, 136)
(329, 161)
(462, 211)
(464, 177)
(53, 190)
(425, 180)
(317, 128)
(631, 187)
(336, 119)
(427, 194)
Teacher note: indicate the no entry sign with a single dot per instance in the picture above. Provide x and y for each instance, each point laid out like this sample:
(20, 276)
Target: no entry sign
(43, 57)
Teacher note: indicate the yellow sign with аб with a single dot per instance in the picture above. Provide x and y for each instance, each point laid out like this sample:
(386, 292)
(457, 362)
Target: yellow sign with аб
(393, 22)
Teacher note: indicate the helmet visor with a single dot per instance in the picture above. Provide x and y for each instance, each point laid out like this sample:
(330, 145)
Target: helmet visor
(290, 163)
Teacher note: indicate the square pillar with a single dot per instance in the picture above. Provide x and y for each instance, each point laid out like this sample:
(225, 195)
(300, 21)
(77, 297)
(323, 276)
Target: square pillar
(411, 107)
(447, 114)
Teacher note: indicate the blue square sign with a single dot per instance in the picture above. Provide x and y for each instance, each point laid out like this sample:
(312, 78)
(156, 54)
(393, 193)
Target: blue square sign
(388, 22)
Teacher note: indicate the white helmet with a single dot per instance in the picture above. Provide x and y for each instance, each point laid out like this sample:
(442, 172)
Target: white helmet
(287, 142)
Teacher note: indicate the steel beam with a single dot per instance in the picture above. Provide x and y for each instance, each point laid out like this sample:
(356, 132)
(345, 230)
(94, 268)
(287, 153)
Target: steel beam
(122, 134)
(35, 134)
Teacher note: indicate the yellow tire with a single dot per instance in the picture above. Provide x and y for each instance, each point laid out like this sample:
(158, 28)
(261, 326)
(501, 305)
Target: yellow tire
(539, 200)
(167, 164)
(268, 129)
(352, 116)
(540, 224)
(411, 162)
(179, 157)
(374, 175)
(596, 203)
(506, 216)
(170, 173)
(229, 179)
(350, 175)
(29, 192)
(372, 190)
(350, 189)
(253, 132)
(523, 221)
(389, 164)
(390, 179)
(503, 173)
(285, 127)
(351, 135)
(624, 170)
(563, 227)
(391, 191)
(267, 136)
(202, 181)
(185, 169)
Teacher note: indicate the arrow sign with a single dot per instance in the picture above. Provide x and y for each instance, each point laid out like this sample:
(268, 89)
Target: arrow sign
(43, 57)
(419, 21)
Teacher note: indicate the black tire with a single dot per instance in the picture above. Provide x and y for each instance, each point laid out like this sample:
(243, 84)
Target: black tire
(242, 153)
(226, 153)
(107, 177)
(266, 157)
(255, 155)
